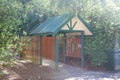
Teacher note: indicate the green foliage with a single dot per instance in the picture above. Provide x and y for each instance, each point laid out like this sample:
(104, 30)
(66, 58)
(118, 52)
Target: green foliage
(103, 22)
(10, 19)
(98, 45)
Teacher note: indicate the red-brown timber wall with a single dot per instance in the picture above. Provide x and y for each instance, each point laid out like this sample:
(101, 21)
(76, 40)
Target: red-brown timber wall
(48, 47)
(31, 48)
(77, 47)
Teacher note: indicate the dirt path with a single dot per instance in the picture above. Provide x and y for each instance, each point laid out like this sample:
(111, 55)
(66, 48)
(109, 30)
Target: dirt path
(26, 70)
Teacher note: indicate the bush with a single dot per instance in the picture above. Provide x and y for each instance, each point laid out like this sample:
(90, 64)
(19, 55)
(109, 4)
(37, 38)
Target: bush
(98, 58)
(9, 54)
(6, 57)
(97, 46)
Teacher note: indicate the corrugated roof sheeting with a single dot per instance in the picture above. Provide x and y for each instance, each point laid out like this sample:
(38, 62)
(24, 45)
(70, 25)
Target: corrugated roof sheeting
(52, 25)
(58, 23)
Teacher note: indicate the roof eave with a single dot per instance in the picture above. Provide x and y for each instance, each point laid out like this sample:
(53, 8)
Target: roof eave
(81, 19)
(59, 29)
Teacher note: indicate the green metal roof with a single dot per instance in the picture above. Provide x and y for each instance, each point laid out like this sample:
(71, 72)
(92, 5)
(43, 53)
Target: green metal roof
(52, 25)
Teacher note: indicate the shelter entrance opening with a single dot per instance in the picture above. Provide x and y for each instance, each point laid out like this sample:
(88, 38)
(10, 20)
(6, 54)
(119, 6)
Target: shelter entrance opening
(70, 47)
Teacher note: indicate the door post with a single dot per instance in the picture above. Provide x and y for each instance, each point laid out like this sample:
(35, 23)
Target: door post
(56, 52)
(64, 47)
(82, 49)
(40, 50)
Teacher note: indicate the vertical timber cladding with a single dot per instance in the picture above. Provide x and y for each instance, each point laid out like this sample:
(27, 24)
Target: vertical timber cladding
(48, 47)
(26, 48)
(35, 48)
(73, 47)
(31, 48)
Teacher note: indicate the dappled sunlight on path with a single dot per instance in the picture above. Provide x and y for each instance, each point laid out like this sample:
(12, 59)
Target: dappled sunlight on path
(27, 70)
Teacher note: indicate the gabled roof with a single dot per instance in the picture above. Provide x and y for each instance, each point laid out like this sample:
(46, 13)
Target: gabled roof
(58, 23)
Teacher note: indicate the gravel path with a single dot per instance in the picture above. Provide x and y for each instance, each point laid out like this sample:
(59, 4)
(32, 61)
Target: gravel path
(30, 71)
(81, 74)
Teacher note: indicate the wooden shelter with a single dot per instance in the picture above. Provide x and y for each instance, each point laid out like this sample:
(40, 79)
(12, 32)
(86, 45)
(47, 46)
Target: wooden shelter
(72, 28)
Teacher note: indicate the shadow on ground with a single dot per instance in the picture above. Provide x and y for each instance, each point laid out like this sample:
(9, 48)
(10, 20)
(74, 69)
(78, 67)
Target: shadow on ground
(27, 70)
